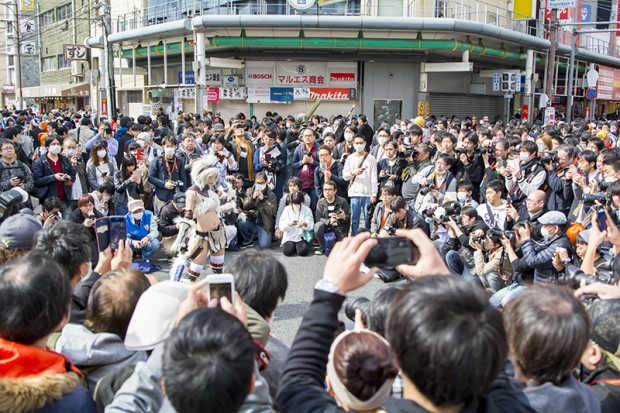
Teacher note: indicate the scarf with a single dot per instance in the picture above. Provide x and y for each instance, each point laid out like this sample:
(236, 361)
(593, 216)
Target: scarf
(248, 159)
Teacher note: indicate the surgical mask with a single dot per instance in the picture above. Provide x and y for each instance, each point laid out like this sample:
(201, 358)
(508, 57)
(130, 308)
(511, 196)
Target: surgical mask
(169, 152)
(524, 156)
(101, 154)
(382, 141)
(544, 232)
(198, 141)
(106, 198)
(259, 187)
(359, 147)
(461, 196)
(403, 129)
(55, 149)
(137, 216)
(348, 137)
(70, 152)
(142, 144)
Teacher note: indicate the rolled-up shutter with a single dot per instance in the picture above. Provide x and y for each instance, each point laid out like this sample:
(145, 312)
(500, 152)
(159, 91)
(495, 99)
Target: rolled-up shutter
(448, 104)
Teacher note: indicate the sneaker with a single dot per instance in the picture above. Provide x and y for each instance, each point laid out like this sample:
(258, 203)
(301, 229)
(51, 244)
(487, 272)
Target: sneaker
(319, 252)
(245, 246)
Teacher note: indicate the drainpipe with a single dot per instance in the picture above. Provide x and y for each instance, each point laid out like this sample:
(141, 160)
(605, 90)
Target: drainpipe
(201, 80)
(529, 73)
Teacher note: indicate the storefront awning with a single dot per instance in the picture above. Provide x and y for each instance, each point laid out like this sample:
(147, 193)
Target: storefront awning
(57, 90)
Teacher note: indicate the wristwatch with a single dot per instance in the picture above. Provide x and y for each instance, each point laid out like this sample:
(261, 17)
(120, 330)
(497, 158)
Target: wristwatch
(328, 286)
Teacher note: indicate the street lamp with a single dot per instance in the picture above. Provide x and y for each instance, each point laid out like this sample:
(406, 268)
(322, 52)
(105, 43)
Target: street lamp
(18, 75)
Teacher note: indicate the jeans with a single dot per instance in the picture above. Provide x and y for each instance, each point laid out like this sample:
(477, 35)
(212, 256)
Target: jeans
(149, 250)
(358, 207)
(248, 228)
(456, 264)
(506, 294)
(313, 198)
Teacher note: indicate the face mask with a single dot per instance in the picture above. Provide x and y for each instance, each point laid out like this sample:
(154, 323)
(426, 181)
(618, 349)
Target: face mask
(55, 149)
(70, 152)
(259, 187)
(382, 141)
(348, 137)
(101, 154)
(137, 216)
(403, 129)
(544, 232)
(407, 140)
(524, 156)
(106, 198)
(198, 141)
(141, 143)
(359, 148)
(169, 152)
(461, 196)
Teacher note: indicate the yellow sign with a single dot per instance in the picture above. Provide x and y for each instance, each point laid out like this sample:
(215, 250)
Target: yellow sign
(524, 9)
(428, 109)
(421, 109)
(26, 5)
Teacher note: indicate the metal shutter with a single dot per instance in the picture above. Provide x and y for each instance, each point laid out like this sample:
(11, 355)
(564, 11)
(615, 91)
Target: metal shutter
(448, 104)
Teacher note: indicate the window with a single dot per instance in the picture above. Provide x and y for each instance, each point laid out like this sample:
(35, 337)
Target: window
(63, 12)
(47, 18)
(63, 63)
(134, 96)
(441, 8)
(11, 60)
(50, 63)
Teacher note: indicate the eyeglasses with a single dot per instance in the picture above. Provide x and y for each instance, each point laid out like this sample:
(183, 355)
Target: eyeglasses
(8, 148)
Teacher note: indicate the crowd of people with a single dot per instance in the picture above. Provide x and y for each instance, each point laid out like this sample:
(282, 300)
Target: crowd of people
(514, 304)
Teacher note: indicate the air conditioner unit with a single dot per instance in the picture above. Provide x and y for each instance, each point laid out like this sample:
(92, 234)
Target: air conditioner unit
(77, 68)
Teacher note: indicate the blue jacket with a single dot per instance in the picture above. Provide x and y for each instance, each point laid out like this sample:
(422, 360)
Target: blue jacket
(299, 154)
(159, 175)
(135, 232)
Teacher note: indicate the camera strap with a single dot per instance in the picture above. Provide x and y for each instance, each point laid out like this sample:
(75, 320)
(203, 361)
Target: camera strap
(491, 216)
(358, 166)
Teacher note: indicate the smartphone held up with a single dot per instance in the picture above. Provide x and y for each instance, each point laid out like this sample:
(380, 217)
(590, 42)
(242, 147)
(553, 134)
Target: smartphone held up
(221, 285)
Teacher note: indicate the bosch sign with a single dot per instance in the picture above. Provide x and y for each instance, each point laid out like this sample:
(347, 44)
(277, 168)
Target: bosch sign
(261, 76)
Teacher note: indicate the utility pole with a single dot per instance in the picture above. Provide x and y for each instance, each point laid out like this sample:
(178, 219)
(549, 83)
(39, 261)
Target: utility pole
(19, 96)
(108, 58)
(550, 66)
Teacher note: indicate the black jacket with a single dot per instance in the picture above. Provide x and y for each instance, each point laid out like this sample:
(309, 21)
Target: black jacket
(166, 224)
(44, 176)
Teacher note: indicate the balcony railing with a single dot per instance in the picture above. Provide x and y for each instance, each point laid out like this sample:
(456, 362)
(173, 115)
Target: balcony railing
(160, 11)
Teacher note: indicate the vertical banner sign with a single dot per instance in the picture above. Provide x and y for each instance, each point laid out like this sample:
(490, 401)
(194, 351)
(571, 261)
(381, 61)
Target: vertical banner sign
(525, 111)
(428, 109)
(549, 115)
(587, 112)
(421, 109)
(104, 107)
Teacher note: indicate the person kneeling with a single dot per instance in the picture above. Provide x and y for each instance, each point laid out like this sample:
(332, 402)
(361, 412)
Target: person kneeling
(142, 230)
(333, 216)
(296, 219)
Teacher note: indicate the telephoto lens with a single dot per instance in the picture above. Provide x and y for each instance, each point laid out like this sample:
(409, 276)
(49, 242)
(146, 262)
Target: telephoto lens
(352, 304)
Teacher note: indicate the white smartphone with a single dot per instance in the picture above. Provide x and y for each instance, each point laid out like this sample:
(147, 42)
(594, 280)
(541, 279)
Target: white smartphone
(221, 285)
(514, 164)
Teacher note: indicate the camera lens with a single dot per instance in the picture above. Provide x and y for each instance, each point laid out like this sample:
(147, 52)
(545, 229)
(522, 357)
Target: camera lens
(353, 303)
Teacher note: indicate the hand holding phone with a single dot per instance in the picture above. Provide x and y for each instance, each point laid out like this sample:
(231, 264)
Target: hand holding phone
(221, 285)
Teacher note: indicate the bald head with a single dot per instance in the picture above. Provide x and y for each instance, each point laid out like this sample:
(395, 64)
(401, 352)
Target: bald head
(536, 201)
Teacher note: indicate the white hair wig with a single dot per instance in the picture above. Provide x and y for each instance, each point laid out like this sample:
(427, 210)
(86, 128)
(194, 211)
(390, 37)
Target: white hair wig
(204, 169)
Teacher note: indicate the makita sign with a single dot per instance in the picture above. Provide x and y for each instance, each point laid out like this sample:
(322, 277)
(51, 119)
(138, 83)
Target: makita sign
(332, 93)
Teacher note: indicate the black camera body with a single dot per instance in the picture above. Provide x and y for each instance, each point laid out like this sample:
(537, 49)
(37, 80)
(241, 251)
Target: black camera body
(591, 199)
(550, 157)
(497, 234)
(354, 303)
(426, 189)
(491, 149)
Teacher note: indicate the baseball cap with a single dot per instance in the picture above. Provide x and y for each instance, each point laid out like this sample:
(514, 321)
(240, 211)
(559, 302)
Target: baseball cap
(18, 231)
(553, 218)
(179, 199)
(155, 315)
(606, 329)
(218, 127)
(135, 205)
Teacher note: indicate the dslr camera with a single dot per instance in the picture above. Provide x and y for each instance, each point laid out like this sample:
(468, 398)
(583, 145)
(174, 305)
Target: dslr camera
(591, 199)
(550, 157)
(353, 303)
(497, 234)
(426, 189)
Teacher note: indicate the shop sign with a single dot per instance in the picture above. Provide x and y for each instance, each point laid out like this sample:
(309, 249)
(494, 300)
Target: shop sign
(332, 93)
(301, 93)
(342, 77)
(159, 93)
(605, 86)
(104, 107)
(301, 74)
(259, 76)
(8, 88)
(421, 109)
(230, 93)
(213, 94)
(230, 81)
(190, 77)
(281, 94)
(187, 93)
(213, 77)
(549, 115)
(258, 94)
(147, 110)
(75, 52)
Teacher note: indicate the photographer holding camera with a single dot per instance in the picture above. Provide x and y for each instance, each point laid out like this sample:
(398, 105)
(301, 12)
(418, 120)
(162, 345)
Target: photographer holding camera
(382, 210)
(459, 254)
(332, 215)
(494, 155)
(492, 264)
(14, 173)
(420, 159)
(436, 183)
(529, 177)
(473, 165)
(559, 179)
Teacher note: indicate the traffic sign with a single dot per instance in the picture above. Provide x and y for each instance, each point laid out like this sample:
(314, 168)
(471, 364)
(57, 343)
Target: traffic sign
(591, 93)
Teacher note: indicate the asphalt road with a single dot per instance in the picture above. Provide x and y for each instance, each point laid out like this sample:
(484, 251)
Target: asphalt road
(303, 273)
